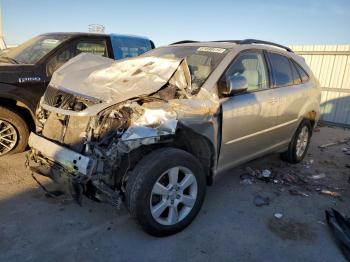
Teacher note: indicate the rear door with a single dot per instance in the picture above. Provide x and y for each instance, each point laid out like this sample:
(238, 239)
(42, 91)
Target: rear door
(290, 94)
(248, 118)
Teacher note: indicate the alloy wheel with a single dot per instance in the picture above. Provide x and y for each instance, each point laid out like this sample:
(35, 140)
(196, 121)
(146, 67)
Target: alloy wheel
(302, 141)
(8, 137)
(173, 195)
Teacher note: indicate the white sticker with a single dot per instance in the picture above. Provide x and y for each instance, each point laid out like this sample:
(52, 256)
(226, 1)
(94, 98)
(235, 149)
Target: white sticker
(211, 49)
(50, 41)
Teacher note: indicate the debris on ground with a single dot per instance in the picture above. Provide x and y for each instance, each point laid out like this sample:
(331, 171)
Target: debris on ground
(278, 215)
(254, 173)
(292, 179)
(296, 192)
(247, 179)
(340, 228)
(338, 142)
(330, 193)
(260, 201)
(318, 176)
(264, 175)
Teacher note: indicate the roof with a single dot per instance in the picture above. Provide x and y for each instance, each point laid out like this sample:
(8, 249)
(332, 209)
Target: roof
(95, 34)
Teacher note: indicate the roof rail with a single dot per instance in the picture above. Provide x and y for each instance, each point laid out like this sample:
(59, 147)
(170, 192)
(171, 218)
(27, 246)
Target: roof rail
(184, 42)
(256, 41)
(228, 41)
(241, 42)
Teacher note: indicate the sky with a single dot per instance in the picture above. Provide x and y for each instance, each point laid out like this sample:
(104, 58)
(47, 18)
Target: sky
(285, 22)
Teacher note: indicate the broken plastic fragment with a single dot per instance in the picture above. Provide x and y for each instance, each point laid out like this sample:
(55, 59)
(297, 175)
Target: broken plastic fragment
(330, 193)
(266, 173)
(278, 215)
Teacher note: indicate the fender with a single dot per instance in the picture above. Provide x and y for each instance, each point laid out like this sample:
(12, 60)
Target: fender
(24, 97)
(313, 105)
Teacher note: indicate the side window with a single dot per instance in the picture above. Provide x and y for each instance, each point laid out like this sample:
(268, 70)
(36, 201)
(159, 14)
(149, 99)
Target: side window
(281, 70)
(97, 47)
(93, 47)
(296, 76)
(252, 66)
(126, 47)
(303, 75)
(59, 59)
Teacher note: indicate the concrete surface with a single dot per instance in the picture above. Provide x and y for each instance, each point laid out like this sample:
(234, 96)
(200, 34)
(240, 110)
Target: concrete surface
(228, 228)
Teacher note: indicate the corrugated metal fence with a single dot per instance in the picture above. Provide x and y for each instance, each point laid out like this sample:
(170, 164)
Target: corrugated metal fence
(331, 65)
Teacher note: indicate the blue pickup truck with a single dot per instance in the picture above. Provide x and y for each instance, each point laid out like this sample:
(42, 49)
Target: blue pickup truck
(26, 70)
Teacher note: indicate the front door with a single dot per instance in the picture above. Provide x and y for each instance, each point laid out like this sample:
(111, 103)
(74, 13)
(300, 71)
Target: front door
(248, 118)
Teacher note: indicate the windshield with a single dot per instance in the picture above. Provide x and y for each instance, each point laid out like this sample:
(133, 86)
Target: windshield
(201, 60)
(33, 50)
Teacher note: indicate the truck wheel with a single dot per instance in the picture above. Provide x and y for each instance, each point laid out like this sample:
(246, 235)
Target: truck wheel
(14, 132)
(166, 191)
(299, 145)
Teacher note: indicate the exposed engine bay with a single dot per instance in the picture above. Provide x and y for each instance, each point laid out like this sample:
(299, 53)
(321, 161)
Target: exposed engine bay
(98, 117)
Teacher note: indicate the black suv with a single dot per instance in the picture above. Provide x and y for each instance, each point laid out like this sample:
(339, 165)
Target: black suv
(26, 70)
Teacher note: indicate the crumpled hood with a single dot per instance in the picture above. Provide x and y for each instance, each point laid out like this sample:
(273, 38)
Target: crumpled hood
(117, 81)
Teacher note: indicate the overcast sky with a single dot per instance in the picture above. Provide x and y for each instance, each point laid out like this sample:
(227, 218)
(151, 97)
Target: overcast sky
(296, 22)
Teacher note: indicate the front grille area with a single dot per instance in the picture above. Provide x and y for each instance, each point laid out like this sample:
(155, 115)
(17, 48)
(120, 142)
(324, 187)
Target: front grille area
(66, 130)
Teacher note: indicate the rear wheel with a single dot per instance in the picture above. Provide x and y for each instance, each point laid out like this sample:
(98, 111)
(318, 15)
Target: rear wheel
(14, 132)
(165, 191)
(299, 145)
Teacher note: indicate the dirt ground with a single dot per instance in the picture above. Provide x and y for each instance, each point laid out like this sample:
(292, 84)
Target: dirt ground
(230, 227)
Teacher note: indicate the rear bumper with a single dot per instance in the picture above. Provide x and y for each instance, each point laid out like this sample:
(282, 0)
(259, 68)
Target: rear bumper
(69, 160)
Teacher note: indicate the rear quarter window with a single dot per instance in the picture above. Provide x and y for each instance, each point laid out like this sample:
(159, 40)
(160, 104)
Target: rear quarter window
(281, 70)
(304, 76)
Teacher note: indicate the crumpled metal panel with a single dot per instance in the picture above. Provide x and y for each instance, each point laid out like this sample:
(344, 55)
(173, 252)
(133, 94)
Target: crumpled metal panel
(116, 81)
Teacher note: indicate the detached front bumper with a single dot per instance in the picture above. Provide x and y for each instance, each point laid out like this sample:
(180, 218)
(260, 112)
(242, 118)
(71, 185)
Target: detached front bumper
(61, 156)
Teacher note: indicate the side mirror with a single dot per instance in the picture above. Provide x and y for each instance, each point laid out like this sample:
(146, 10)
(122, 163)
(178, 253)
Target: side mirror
(235, 85)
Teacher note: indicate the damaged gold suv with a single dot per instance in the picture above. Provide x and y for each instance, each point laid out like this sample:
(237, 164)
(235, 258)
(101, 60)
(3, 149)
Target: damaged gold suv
(154, 130)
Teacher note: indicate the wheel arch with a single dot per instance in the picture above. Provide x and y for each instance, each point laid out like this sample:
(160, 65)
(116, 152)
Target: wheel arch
(21, 108)
(185, 139)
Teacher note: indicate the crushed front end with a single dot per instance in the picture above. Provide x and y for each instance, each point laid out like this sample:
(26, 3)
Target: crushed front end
(86, 137)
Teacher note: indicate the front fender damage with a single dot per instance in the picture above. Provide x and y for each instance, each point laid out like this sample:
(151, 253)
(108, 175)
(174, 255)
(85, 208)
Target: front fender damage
(116, 137)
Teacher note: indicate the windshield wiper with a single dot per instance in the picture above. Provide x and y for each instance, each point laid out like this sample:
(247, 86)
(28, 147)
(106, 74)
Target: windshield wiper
(9, 59)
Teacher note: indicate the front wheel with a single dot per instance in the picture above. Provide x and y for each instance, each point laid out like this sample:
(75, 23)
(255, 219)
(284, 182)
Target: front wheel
(299, 145)
(165, 191)
(14, 132)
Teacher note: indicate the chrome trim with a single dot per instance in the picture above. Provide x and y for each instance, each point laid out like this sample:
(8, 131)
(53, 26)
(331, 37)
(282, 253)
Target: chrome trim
(262, 131)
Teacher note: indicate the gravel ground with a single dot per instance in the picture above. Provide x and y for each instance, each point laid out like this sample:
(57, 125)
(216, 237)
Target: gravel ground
(230, 227)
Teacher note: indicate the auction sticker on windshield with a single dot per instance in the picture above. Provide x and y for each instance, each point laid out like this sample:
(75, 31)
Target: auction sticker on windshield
(211, 49)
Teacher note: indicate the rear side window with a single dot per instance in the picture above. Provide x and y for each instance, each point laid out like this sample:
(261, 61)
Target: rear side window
(304, 76)
(296, 76)
(125, 47)
(281, 70)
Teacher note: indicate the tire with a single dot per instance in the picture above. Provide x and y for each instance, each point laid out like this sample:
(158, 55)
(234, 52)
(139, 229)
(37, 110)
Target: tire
(153, 169)
(17, 127)
(292, 155)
